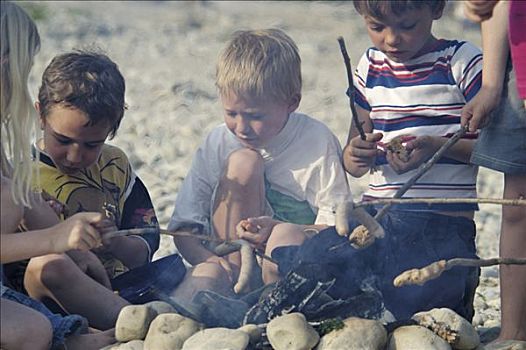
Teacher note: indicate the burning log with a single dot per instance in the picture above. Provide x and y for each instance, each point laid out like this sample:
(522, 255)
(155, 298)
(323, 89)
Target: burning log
(434, 270)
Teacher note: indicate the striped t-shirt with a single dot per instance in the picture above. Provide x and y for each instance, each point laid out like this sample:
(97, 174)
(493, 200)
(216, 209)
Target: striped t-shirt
(423, 96)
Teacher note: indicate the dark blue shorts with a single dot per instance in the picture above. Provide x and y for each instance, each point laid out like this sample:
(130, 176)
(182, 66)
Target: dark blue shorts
(63, 326)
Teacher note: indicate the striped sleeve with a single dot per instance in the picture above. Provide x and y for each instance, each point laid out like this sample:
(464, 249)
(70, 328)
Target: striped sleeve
(360, 79)
(466, 66)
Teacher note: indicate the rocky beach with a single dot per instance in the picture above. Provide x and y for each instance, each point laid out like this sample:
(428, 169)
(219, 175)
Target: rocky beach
(167, 52)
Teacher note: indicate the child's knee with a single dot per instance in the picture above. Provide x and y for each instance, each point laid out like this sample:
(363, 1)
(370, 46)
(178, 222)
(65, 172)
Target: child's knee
(285, 234)
(52, 271)
(245, 164)
(209, 270)
(41, 333)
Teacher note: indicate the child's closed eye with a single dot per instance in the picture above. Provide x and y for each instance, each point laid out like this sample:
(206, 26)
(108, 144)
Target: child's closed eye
(93, 145)
(376, 27)
(63, 141)
(408, 26)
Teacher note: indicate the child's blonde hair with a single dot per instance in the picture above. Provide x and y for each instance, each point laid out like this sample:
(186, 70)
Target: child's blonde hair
(19, 44)
(260, 64)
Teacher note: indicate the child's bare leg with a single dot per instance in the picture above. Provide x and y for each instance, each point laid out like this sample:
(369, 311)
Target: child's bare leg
(282, 235)
(240, 195)
(58, 277)
(204, 276)
(513, 277)
(23, 328)
(89, 341)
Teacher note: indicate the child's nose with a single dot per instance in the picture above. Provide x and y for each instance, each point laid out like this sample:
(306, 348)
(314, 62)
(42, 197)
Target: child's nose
(242, 125)
(392, 37)
(74, 154)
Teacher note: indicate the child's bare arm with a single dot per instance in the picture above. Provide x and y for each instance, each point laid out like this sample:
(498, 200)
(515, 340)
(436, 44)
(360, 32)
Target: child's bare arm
(77, 232)
(132, 251)
(479, 10)
(39, 216)
(258, 230)
(358, 154)
(495, 46)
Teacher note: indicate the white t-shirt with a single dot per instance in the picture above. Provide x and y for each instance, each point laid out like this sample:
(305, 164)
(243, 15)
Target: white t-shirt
(303, 162)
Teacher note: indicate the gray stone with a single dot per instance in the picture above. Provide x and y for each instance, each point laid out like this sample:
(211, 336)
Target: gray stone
(358, 334)
(133, 322)
(466, 335)
(416, 337)
(291, 332)
(254, 332)
(217, 338)
(160, 307)
(169, 331)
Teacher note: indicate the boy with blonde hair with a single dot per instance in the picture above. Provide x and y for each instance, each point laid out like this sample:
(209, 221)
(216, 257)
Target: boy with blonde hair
(265, 167)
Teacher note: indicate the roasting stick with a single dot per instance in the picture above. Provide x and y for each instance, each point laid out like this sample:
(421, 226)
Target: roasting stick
(350, 91)
(227, 247)
(434, 270)
(515, 202)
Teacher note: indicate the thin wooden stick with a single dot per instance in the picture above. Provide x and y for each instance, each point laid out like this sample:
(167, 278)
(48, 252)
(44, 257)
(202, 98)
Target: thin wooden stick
(434, 270)
(515, 202)
(350, 91)
(232, 246)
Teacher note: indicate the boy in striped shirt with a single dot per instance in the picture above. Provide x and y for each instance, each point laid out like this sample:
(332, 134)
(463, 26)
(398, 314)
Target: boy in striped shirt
(413, 85)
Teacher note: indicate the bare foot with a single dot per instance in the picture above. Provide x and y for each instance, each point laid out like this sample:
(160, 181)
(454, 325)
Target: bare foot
(89, 341)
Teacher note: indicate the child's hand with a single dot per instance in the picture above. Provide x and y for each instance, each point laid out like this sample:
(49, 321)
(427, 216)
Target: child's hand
(359, 155)
(419, 149)
(78, 232)
(91, 266)
(479, 10)
(256, 230)
(476, 112)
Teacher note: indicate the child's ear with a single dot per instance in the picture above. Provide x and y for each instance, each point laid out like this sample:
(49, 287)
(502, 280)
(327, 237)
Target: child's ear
(437, 13)
(294, 102)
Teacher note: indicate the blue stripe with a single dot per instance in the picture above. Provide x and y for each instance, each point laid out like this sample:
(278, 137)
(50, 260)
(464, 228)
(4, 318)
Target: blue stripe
(360, 100)
(405, 122)
(473, 90)
(388, 80)
(434, 207)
